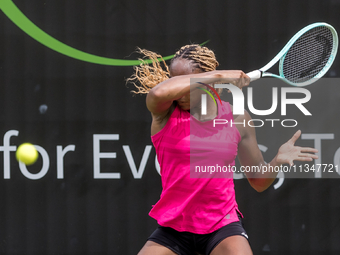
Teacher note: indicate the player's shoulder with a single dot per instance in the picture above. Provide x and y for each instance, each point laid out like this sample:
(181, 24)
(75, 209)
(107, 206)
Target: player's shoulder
(160, 120)
(163, 116)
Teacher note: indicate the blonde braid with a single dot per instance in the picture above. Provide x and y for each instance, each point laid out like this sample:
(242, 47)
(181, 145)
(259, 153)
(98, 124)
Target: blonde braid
(202, 57)
(148, 76)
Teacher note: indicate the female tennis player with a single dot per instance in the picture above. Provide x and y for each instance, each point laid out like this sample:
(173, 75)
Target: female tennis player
(200, 215)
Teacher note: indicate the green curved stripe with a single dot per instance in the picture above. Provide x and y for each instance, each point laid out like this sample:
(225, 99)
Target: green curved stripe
(18, 18)
(208, 92)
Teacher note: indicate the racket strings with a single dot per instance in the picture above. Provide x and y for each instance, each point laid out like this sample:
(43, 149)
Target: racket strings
(308, 55)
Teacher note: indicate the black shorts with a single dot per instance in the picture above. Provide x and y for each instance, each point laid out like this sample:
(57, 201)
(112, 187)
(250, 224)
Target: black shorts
(186, 243)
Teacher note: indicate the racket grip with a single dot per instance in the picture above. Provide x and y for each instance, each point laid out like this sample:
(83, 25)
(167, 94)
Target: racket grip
(254, 75)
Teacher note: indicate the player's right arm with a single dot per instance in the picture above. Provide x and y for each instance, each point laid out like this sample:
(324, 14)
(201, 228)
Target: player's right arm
(160, 99)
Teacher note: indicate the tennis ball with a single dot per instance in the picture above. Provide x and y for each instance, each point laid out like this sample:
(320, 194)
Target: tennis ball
(27, 154)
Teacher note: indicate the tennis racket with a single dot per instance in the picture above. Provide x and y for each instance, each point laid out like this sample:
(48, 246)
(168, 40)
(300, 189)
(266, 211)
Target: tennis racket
(305, 58)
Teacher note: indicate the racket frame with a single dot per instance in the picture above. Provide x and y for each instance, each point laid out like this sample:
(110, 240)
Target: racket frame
(262, 72)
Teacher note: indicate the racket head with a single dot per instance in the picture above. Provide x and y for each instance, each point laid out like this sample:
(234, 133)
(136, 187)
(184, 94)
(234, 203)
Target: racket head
(309, 54)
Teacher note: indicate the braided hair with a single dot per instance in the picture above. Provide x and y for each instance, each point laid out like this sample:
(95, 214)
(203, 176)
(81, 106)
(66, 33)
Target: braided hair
(148, 76)
(201, 57)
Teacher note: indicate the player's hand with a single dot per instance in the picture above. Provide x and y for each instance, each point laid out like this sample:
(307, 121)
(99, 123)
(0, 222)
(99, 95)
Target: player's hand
(243, 81)
(288, 152)
(238, 78)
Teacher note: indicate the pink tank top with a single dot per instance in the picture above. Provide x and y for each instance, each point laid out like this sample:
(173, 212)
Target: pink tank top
(187, 203)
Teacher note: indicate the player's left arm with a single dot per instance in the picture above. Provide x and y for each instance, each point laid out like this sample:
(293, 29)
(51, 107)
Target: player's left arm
(250, 155)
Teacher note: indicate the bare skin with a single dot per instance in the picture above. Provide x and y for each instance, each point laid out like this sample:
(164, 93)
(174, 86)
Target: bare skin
(160, 102)
(233, 245)
(152, 248)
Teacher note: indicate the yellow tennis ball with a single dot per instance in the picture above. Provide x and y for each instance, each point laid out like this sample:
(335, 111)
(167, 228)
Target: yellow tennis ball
(27, 154)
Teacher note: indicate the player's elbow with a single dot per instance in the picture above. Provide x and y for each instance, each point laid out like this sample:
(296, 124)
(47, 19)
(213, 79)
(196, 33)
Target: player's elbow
(158, 93)
(154, 93)
(258, 184)
(157, 102)
(259, 188)
(154, 97)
